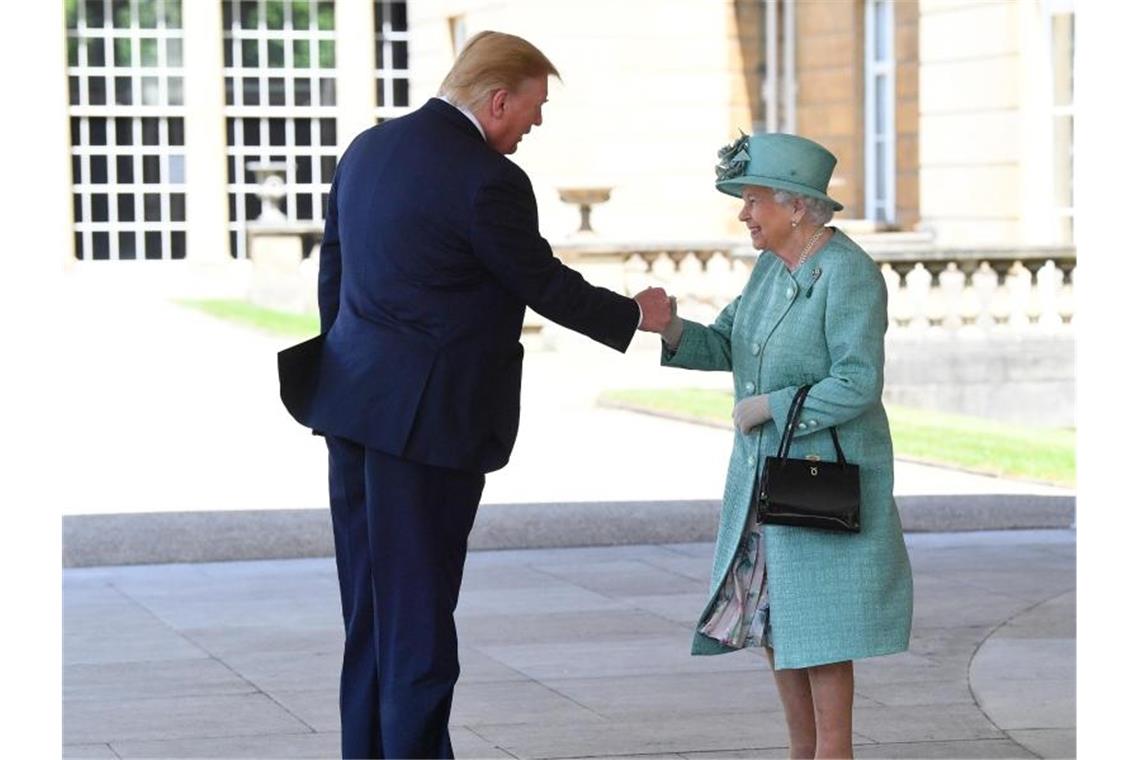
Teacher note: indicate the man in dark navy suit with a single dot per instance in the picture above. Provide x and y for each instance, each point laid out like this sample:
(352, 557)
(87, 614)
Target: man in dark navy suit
(431, 254)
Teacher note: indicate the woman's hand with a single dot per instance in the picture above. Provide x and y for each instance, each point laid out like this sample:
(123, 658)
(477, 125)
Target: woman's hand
(750, 413)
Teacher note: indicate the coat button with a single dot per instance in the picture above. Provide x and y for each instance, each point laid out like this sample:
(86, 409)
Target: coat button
(749, 387)
(751, 460)
(755, 349)
(790, 293)
(802, 426)
(812, 423)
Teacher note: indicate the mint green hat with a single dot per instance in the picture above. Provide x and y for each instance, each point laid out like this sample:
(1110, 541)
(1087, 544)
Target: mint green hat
(776, 160)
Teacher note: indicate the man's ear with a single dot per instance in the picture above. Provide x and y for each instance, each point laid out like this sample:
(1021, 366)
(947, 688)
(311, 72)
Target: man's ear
(498, 102)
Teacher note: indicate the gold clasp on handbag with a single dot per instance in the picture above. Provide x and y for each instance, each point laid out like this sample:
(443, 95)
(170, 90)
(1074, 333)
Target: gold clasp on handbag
(814, 471)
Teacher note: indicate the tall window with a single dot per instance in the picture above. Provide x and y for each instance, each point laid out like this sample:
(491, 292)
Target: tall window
(777, 112)
(390, 19)
(280, 80)
(128, 163)
(879, 111)
(1061, 39)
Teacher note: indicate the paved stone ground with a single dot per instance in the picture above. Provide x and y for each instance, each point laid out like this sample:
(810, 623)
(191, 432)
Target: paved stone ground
(567, 653)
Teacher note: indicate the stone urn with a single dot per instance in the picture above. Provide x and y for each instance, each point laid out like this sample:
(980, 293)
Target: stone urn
(584, 198)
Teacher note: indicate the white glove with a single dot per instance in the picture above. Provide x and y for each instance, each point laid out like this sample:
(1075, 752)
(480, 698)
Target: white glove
(672, 332)
(750, 413)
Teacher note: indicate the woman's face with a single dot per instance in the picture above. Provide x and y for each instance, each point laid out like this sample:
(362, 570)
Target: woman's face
(768, 222)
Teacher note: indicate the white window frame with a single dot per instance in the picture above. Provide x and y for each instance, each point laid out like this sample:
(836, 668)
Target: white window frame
(387, 37)
(1050, 10)
(84, 153)
(237, 114)
(879, 202)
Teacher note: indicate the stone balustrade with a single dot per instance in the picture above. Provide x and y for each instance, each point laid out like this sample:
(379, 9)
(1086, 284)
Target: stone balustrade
(1022, 288)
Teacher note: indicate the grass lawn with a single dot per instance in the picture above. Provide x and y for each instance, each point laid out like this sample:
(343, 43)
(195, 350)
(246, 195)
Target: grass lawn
(258, 317)
(968, 443)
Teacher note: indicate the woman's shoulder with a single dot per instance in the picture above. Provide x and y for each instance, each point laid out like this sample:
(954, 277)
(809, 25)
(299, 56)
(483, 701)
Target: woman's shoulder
(850, 256)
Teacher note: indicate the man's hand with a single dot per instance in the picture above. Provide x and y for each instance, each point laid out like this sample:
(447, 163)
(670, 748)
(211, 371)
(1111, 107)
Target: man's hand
(750, 413)
(656, 311)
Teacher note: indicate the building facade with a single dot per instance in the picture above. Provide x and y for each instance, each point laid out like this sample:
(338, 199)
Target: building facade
(949, 116)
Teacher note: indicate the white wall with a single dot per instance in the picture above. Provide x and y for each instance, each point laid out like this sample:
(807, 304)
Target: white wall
(644, 104)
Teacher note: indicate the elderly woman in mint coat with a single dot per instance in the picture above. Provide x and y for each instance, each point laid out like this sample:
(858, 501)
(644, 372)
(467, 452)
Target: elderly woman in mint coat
(813, 312)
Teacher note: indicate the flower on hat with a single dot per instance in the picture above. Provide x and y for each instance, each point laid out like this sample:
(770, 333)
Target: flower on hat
(733, 158)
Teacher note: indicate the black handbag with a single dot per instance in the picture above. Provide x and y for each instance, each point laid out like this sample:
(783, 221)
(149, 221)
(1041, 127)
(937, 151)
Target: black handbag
(807, 492)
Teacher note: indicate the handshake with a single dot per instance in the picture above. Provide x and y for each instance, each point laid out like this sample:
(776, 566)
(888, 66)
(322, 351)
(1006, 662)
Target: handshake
(659, 315)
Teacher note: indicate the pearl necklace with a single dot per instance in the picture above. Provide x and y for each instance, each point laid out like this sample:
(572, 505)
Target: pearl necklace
(811, 241)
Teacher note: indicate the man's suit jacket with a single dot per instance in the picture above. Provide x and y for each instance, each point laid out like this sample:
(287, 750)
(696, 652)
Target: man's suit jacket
(431, 253)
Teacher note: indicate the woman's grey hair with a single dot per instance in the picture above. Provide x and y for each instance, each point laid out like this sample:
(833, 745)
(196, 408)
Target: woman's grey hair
(817, 210)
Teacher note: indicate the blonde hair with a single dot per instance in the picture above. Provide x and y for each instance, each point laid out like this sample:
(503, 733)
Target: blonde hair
(493, 61)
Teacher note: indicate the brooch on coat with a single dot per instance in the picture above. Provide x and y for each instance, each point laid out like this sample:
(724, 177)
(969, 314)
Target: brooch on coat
(815, 274)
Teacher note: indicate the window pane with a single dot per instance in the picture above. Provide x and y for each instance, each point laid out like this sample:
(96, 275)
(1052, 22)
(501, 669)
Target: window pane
(175, 130)
(121, 14)
(177, 169)
(174, 91)
(400, 92)
(304, 169)
(126, 207)
(302, 19)
(276, 131)
(99, 170)
(72, 51)
(399, 55)
(251, 133)
(249, 53)
(327, 53)
(177, 244)
(99, 207)
(101, 246)
(274, 14)
(328, 131)
(328, 92)
(124, 130)
(326, 18)
(302, 92)
(73, 91)
(127, 245)
(122, 51)
(97, 91)
(301, 54)
(94, 11)
(150, 131)
(148, 51)
(150, 95)
(173, 11)
(303, 132)
(250, 92)
(148, 15)
(124, 170)
(178, 207)
(97, 130)
(151, 174)
(249, 14)
(276, 91)
(96, 54)
(152, 207)
(328, 167)
(154, 245)
(123, 91)
(276, 54)
(399, 13)
(173, 52)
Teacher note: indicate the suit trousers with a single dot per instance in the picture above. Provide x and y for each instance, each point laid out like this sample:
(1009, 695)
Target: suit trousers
(400, 530)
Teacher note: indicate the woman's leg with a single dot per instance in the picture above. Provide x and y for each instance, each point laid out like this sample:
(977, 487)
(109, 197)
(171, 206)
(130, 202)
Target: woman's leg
(796, 696)
(833, 691)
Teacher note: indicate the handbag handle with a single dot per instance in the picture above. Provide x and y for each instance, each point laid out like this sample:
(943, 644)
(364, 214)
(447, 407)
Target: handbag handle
(789, 428)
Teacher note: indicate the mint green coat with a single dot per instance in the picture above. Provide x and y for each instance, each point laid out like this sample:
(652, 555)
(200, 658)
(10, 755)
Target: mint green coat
(833, 596)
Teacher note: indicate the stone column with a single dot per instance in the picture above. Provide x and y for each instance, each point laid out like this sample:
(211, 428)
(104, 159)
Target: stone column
(207, 213)
(355, 70)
